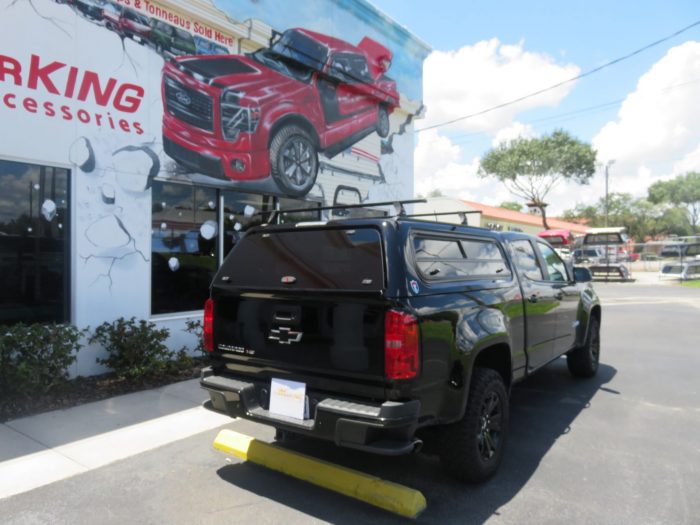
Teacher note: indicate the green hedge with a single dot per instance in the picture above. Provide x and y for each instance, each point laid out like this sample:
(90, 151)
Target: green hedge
(137, 349)
(34, 358)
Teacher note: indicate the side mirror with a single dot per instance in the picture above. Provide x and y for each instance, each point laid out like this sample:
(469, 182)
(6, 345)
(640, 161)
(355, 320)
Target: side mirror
(582, 275)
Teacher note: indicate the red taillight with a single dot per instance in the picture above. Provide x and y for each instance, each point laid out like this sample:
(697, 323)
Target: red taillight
(208, 326)
(401, 359)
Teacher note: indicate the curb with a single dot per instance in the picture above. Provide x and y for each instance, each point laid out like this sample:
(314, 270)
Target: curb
(387, 495)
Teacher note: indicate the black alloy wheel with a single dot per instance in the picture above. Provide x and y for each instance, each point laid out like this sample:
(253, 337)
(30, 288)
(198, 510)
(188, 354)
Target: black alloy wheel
(294, 161)
(583, 361)
(489, 439)
(383, 124)
(471, 449)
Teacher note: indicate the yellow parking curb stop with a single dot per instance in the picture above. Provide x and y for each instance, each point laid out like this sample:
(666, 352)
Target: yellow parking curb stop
(387, 495)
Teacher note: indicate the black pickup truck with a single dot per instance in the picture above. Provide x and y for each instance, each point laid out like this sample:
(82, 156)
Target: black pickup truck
(391, 328)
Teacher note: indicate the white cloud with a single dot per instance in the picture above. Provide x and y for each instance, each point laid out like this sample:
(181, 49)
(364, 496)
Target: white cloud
(657, 131)
(655, 136)
(488, 73)
(514, 131)
(438, 165)
(690, 162)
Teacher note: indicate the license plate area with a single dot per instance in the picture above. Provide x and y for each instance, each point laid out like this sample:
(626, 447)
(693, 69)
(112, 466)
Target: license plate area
(289, 398)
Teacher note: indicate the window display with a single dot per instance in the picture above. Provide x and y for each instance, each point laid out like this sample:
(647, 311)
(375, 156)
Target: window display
(33, 243)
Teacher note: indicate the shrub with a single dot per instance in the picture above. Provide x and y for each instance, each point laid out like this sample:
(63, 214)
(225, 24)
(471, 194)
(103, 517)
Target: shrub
(196, 328)
(135, 348)
(34, 358)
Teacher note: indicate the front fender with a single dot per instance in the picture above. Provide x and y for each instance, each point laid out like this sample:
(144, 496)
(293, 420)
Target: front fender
(589, 301)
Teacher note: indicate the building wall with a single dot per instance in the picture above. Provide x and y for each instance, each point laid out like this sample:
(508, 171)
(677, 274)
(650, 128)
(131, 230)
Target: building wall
(77, 93)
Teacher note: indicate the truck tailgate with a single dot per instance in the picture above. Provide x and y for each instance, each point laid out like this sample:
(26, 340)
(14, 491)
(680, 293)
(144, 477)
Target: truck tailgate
(302, 335)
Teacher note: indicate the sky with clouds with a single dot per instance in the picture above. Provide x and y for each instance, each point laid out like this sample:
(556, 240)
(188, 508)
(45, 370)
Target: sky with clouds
(642, 113)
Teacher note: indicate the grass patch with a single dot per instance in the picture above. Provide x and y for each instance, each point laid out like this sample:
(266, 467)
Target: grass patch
(691, 284)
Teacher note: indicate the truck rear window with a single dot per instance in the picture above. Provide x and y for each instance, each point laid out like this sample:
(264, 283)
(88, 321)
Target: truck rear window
(343, 259)
(452, 258)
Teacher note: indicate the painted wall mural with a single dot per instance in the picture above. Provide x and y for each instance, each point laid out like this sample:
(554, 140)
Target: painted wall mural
(312, 99)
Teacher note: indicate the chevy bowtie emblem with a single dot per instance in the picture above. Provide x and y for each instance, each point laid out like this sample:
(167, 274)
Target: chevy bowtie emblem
(285, 336)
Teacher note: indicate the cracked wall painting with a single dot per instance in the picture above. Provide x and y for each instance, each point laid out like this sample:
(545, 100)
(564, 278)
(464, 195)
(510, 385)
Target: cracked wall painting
(291, 99)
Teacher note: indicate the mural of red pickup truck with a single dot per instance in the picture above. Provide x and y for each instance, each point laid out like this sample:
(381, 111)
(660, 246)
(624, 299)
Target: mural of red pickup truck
(270, 113)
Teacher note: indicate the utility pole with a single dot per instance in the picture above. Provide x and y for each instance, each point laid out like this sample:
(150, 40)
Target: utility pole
(607, 166)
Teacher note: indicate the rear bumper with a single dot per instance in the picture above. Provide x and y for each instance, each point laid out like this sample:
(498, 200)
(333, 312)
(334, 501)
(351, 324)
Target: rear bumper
(382, 428)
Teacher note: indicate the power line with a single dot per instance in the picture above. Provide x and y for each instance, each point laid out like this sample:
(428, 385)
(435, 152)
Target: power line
(559, 84)
(574, 114)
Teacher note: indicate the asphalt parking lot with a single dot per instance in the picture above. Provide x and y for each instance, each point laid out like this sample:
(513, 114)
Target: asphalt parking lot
(621, 448)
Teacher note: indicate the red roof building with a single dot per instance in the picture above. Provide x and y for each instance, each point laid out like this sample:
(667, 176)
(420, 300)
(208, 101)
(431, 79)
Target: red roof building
(509, 220)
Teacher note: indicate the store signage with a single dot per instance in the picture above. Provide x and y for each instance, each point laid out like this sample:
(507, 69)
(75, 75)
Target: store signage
(70, 82)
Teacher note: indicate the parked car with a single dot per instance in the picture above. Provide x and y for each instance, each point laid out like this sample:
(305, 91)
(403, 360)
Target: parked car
(588, 255)
(90, 8)
(111, 13)
(393, 329)
(561, 240)
(684, 271)
(170, 39)
(681, 250)
(134, 25)
(207, 47)
(270, 113)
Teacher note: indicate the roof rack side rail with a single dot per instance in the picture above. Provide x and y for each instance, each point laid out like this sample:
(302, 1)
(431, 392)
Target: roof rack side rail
(398, 204)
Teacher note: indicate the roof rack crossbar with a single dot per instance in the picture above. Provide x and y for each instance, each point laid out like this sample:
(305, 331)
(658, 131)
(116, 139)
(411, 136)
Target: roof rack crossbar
(461, 213)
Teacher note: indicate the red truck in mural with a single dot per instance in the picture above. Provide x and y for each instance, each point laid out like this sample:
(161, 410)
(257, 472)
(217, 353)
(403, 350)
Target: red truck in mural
(270, 113)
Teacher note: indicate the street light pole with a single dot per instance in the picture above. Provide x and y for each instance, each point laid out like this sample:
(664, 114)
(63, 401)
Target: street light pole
(607, 166)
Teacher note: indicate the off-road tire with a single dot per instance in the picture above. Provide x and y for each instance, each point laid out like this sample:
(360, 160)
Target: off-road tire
(293, 160)
(472, 449)
(583, 360)
(383, 124)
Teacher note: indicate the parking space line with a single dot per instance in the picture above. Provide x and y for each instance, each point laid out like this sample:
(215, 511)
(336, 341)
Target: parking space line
(387, 495)
(33, 470)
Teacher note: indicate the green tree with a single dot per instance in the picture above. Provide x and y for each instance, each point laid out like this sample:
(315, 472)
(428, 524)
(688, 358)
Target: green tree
(511, 205)
(530, 168)
(435, 193)
(640, 217)
(590, 214)
(683, 190)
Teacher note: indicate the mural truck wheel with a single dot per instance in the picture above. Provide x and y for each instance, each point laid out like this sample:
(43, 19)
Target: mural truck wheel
(383, 126)
(293, 160)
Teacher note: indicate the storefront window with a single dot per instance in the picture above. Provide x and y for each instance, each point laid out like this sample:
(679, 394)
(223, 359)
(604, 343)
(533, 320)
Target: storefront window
(189, 226)
(184, 241)
(242, 211)
(300, 216)
(33, 243)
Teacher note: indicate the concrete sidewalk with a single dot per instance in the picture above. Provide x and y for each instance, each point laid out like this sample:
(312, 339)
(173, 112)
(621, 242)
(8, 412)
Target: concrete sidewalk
(42, 449)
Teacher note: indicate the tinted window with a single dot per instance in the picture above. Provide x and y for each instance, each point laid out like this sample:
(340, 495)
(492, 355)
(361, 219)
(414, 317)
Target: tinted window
(604, 238)
(302, 49)
(525, 259)
(555, 266)
(351, 68)
(183, 246)
(33, 243)
(445, 259)
(693, 249)
(317, 259)
(299, 216)
(437, 249)
(184, 35)
(241, 212)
